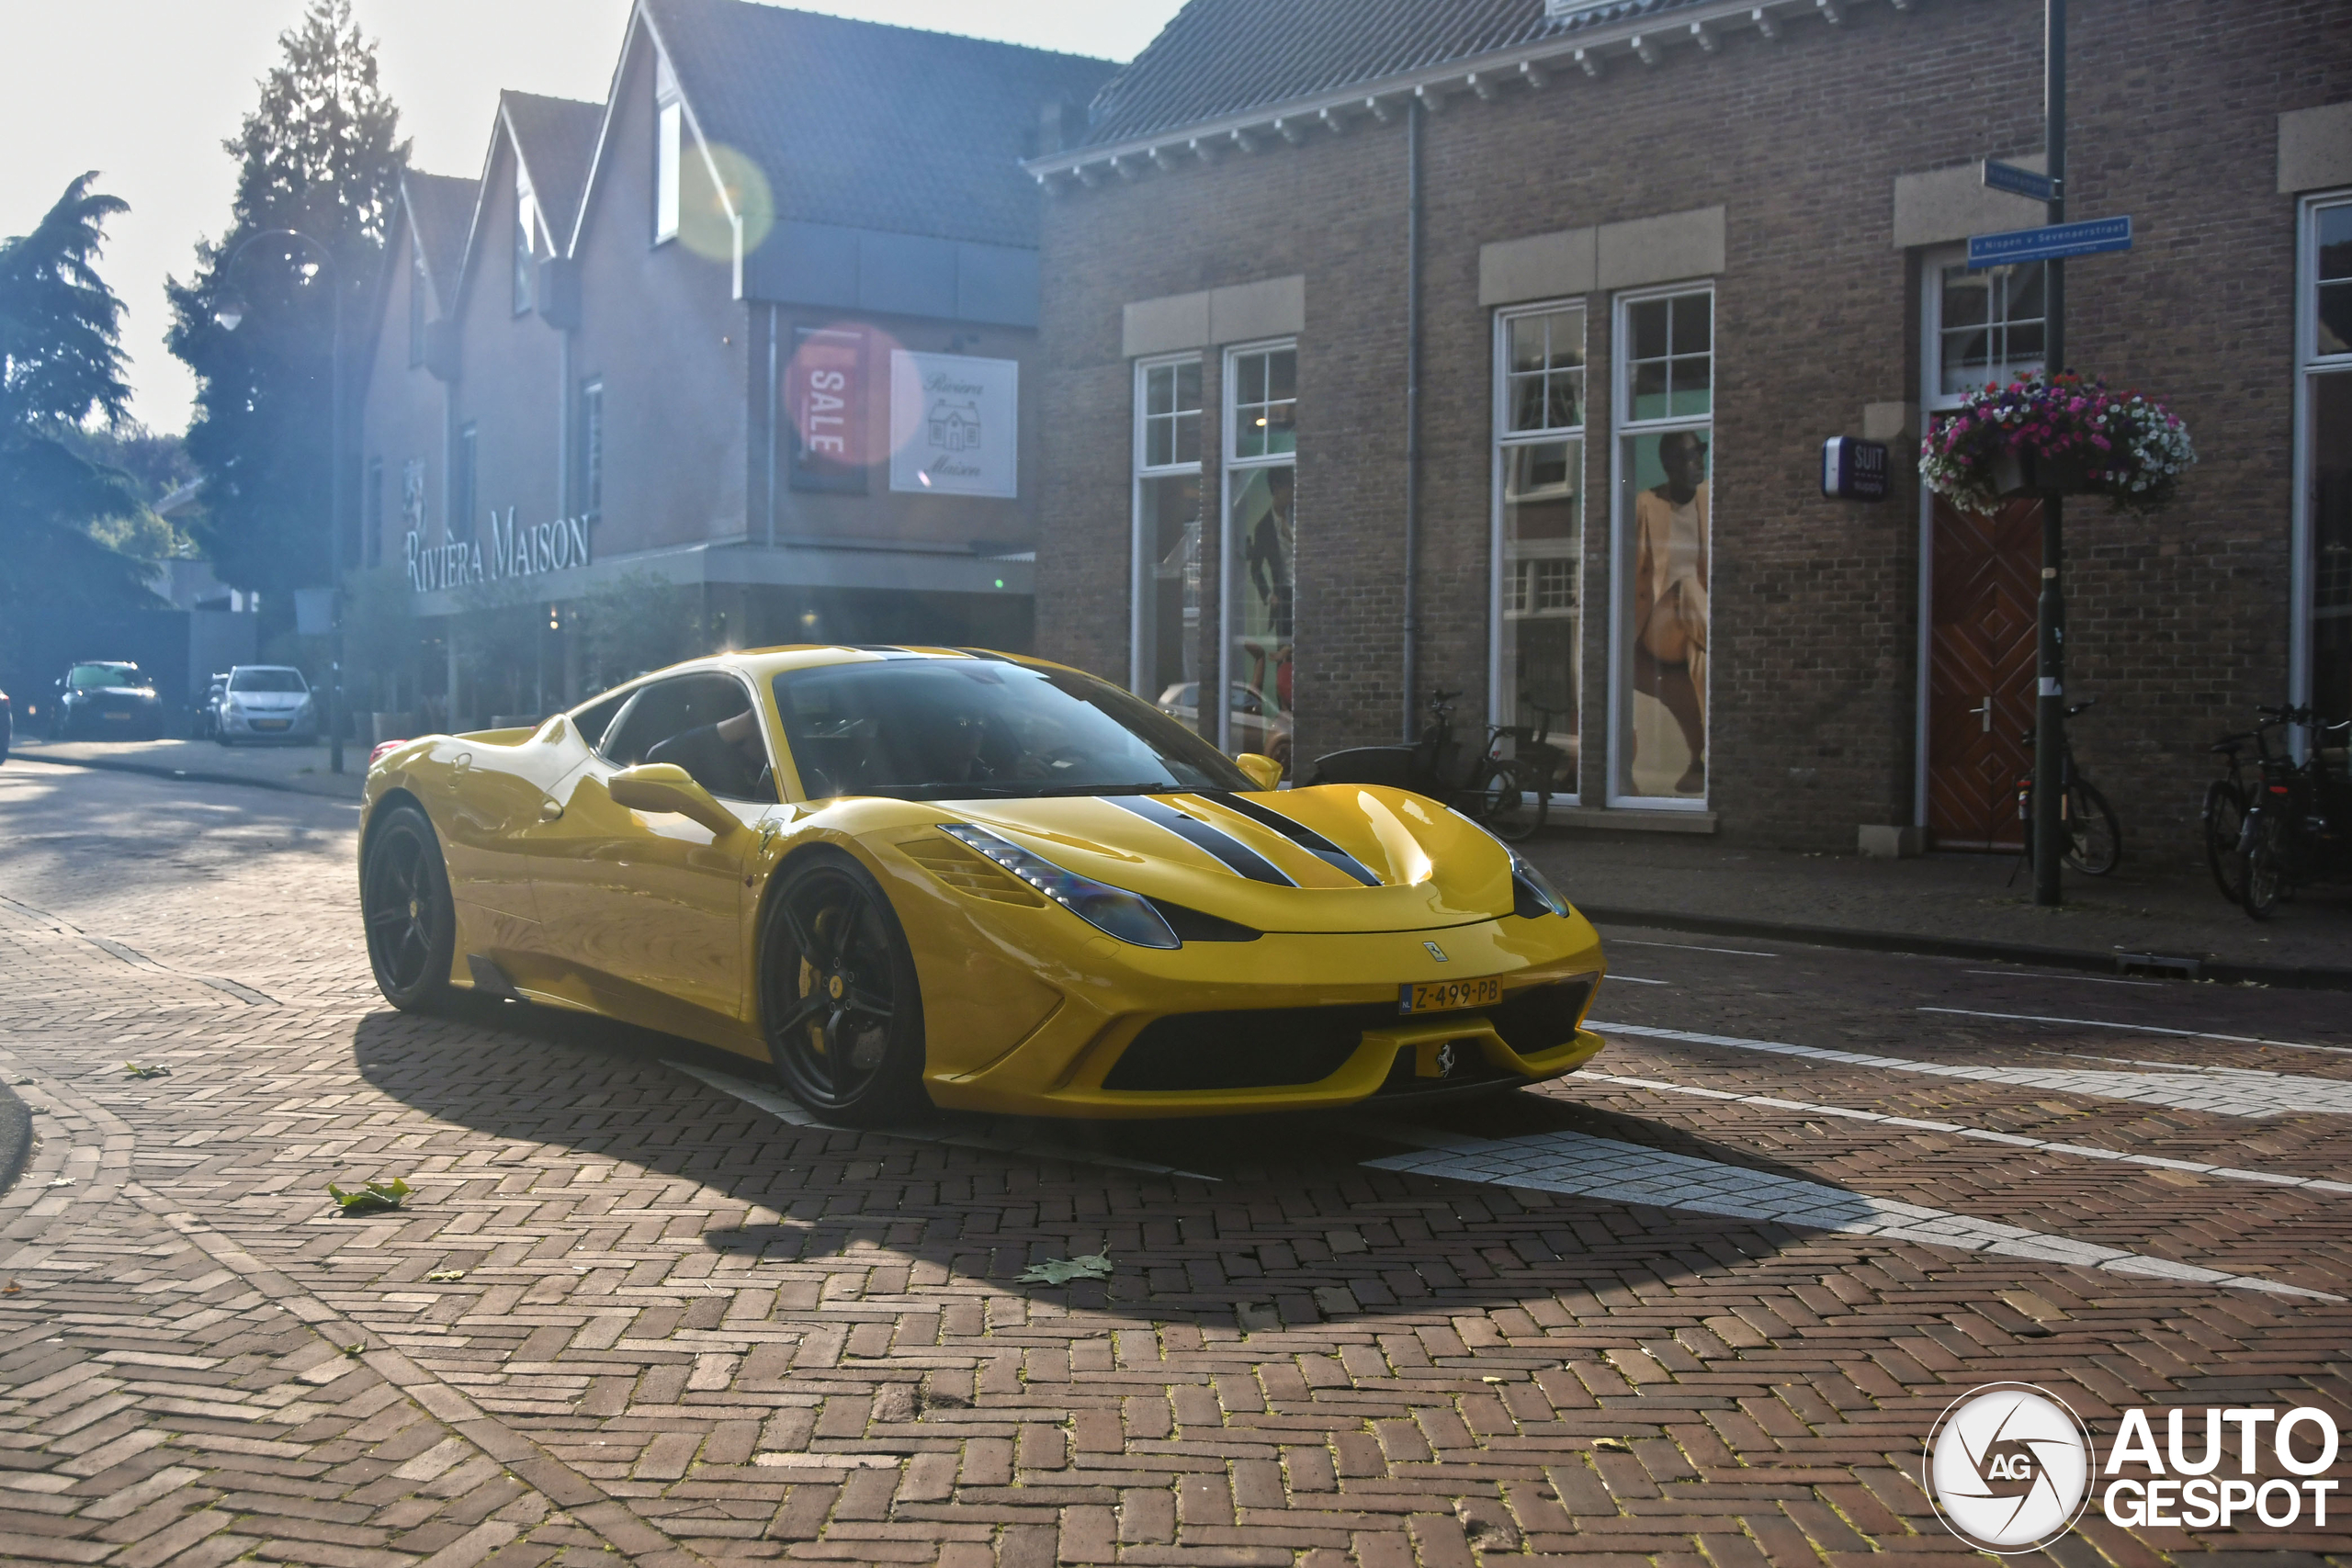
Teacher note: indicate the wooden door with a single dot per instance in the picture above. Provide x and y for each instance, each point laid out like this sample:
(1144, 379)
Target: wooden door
(1981, 672)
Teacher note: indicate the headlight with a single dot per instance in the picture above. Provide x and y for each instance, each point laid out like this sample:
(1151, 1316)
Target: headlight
(1114, 911)
(1532, 893)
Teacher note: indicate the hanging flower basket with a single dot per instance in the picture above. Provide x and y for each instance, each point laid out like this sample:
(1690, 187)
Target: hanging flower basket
(2047, 435)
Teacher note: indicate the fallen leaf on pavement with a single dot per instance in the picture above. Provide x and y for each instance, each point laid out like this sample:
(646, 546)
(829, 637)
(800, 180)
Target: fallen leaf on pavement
(1062, 1270)
(133, 1070)
(445, 1275)
(375, 1196)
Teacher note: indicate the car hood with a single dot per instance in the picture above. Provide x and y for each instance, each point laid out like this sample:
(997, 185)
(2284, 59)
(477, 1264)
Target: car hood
(1329, 858)
(266, 700)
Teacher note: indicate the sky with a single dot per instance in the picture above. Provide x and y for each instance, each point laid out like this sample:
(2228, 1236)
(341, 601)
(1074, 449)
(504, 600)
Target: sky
(145, 91)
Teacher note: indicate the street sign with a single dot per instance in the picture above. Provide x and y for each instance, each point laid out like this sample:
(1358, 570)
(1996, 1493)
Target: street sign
(2049, 243)
(1854, 470)
(2010, 178)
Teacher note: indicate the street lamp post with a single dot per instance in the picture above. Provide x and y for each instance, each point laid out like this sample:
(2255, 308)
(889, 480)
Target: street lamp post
(229, 315)
(2050, 650)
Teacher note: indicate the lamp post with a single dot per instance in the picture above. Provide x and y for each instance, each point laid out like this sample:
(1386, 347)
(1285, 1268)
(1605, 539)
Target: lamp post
(2049, 641)
(229, 313)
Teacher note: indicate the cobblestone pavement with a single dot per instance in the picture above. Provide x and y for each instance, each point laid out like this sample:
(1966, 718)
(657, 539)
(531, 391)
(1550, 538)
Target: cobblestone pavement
(1698, 1306)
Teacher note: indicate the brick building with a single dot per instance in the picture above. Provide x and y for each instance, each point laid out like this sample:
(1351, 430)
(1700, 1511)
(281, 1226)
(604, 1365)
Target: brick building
(759, 327)
(1663, 250)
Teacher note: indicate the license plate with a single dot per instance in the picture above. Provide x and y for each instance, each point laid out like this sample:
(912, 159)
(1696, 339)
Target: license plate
(270, 722)
(118, 717)
(1448, 996)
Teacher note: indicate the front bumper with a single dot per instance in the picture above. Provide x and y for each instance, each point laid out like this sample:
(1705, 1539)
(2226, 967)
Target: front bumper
(1070, 1062)
(302, 725)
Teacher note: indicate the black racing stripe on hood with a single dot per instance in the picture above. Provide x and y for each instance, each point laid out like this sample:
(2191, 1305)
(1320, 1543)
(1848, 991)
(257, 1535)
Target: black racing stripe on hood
(1237, 855)
(1298, 832)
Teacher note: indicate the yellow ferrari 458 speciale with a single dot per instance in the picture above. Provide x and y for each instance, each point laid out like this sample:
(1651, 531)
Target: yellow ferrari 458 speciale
(901, 873)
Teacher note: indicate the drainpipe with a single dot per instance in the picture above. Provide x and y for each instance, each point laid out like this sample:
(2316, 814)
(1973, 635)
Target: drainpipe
(1413, 112)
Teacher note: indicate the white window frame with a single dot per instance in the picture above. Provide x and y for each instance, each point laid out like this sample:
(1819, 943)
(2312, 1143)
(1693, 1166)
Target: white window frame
(1141, 559)
(669, 165)
(1241, 468)
(1621, 366)
(1501, 704)
(2310, 364)
(524, 238)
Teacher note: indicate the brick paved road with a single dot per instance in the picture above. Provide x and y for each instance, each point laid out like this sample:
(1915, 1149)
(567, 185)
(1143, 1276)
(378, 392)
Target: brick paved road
(1701, 1310)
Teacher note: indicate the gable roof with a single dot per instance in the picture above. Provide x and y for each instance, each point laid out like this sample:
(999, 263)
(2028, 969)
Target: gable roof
(872, 127)
(557, 138)
(441, 207)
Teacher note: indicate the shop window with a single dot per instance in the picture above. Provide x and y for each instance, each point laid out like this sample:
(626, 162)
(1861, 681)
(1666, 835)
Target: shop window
(2325, 522)
(1665, 436)
(1988, 325)
(1539, 526)
(1259, 582)
(1166, 594)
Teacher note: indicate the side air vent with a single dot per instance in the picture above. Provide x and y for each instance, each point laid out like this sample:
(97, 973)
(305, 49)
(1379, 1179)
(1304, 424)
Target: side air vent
(1542, 1018)
(968, 872)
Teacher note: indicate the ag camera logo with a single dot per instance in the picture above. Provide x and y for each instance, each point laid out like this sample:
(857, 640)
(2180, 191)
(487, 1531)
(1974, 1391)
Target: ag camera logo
(2008, 1467)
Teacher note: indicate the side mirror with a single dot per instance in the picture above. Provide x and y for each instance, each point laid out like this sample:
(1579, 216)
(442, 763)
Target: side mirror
(1263, 771)
(665, 786)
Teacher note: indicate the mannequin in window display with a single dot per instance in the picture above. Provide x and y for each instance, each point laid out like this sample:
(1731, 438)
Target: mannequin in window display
(1266, 640)
(1671, 595)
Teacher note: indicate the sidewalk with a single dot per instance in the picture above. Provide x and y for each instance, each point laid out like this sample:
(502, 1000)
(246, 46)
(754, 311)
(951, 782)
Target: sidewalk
(1966, 905)
(303, 769)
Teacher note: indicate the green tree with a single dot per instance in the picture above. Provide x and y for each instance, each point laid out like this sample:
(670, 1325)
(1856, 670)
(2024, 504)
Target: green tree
(320, 154)
(60, 366)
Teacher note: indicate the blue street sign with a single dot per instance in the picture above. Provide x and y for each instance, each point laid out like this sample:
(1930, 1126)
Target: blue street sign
(2049, 244)
(1999, 176)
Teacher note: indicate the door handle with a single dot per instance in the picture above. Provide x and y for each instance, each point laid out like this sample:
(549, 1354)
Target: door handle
(1984, 710)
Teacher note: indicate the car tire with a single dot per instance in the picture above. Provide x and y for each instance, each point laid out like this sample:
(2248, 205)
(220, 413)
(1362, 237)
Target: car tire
(840, 1004)
(411, 920)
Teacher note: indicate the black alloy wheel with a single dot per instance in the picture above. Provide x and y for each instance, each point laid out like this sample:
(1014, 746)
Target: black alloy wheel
(2094, 838)
(404, 898)
(837, 994)
(2224, 827)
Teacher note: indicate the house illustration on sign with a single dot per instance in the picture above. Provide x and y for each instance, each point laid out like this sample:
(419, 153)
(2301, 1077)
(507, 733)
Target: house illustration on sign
(954, 426)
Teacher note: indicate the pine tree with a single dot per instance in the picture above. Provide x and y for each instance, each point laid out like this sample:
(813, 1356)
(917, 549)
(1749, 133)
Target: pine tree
(61, 364)
(319, 155)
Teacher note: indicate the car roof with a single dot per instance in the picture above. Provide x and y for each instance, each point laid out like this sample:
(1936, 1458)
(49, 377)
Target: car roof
(290, 668)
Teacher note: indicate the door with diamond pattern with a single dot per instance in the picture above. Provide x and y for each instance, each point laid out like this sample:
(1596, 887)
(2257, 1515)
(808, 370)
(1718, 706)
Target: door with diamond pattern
(1981, 672)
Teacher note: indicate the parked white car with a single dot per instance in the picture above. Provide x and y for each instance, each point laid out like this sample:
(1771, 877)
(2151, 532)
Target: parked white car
(265, 702)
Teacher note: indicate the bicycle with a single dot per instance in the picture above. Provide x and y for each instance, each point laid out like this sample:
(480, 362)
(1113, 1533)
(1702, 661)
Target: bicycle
(2227, 801)
(1490, 788)
(2298, 825)
(2094, 839)
(1519, 787)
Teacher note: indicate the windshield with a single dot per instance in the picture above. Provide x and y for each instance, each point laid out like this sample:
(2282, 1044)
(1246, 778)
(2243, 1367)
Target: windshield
(984, 729)
(95, 677)
(267, 681)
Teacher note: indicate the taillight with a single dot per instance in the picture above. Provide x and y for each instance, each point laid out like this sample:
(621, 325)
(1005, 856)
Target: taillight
(378, 755)
(2278, 789)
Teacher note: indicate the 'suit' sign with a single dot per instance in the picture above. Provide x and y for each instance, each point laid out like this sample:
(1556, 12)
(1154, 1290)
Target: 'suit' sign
(1855, 470)
(955, 425)
(824, 395)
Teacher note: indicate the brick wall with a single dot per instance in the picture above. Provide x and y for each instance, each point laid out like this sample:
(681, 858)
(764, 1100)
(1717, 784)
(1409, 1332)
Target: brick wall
(2178, 623)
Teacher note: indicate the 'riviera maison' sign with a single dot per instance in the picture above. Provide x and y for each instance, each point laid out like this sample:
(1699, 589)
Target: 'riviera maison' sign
(513, 552)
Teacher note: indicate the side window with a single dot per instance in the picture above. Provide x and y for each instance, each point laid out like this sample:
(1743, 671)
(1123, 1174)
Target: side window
(704, 724)
(594, 720)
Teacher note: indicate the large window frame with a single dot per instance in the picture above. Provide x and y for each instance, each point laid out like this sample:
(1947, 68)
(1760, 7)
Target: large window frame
(2314, 361)
(1504, 598)
(1239, 470)
(1623, 428)
(669, 165)
(592, 449)
(1144, 677)
(525, 241)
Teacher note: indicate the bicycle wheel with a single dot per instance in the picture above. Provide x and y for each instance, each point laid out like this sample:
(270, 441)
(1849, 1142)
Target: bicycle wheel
(2265, 868)
(2094, 840)
(2225, 826)
(1515, 805)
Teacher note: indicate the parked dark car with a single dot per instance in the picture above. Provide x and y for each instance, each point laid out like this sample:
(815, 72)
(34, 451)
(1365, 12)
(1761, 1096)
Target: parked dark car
(106, 699)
